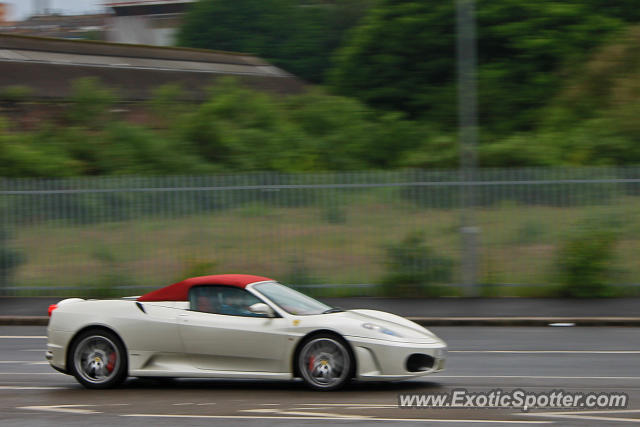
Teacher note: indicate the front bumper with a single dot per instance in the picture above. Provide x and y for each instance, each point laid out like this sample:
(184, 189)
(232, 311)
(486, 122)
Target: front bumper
(387, 360)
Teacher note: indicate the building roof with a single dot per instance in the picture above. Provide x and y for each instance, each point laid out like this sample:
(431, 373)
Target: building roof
(60, 26)
(180, 291)
(49, 67)
(144, 2)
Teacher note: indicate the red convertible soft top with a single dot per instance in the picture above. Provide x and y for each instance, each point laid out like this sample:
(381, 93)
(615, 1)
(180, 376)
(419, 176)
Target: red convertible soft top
(180, 291)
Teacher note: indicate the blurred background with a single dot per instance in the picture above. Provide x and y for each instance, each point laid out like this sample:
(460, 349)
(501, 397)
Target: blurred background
(347, 147)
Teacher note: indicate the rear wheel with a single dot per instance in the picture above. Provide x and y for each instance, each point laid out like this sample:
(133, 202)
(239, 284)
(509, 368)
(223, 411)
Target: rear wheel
(98, 359)
(325, 362)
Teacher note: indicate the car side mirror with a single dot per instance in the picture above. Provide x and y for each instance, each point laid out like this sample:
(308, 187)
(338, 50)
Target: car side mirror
(262, 308)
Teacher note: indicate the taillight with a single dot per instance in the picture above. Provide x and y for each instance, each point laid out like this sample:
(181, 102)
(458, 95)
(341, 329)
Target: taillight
(51, 308)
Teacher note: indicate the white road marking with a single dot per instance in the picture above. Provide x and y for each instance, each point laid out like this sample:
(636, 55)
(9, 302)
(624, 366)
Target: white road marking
(588, 415)
(265, 413)
(31, 373)
(372, 407)
(550, 351)
(276, 417)
(305, 413)
(603, 411)
(15, 387)
(346, 404)
(585, 417)
(450, 351)
(69, 409)
(323, 415)
(22, 362)
(533, 377)
(306, 408)
(16, 337)
(587, 412)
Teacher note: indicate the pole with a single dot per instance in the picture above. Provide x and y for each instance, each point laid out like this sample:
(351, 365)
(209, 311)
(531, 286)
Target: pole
(466, 53)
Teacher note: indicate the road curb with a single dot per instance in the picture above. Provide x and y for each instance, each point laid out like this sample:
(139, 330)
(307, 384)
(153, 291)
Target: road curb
(430, 321)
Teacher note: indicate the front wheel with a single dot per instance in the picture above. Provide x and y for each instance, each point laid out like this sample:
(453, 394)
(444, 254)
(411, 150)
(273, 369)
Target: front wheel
(325, 362)
(98, 359)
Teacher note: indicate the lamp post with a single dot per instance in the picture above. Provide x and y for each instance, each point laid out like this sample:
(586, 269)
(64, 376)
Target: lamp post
(467, 64)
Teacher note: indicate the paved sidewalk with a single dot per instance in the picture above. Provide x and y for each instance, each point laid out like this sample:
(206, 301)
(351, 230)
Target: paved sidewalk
(423, 307)
(19, 306)
(441, 311)
(496, 307)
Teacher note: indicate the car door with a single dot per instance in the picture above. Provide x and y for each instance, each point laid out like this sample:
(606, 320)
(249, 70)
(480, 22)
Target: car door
(220, 333)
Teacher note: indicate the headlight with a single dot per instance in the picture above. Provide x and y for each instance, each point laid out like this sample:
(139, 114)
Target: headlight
(380, 329)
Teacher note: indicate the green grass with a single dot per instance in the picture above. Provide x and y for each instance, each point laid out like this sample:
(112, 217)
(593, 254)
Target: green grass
(517, 244)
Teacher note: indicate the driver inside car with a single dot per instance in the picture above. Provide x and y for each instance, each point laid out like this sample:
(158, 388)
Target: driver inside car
(236, 305)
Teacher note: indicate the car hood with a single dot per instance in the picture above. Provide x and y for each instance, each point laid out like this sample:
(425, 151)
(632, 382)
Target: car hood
(407, 330)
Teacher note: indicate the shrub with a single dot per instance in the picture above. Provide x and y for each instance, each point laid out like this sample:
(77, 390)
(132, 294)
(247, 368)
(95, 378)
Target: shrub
(414, 269)
(584, 264)
(10, 259)
(334, 215)
(112, 275)
(90, 103)
(12, 95)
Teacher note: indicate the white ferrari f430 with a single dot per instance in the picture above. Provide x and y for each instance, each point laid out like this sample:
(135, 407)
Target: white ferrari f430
(235, 326)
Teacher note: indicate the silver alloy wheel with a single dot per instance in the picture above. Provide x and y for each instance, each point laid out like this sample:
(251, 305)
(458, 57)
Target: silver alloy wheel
(324, 362)
(97, 359)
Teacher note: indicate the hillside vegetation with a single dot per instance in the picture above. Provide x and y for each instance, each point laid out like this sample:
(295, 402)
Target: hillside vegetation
(558, 85)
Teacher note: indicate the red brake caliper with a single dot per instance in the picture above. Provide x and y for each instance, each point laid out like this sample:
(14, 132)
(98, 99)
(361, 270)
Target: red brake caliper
(112, 362)
(311, 360)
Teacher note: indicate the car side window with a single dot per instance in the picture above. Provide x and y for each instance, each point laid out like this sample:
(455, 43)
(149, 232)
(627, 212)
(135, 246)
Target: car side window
(227, 300)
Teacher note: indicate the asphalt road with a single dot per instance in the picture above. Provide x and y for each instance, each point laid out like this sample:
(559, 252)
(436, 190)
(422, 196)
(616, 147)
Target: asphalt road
(480, 359)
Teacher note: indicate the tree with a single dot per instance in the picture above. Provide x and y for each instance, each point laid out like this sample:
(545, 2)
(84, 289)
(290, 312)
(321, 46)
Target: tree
(594, 119)
(402, 57)
(299, 36)
(626, 10)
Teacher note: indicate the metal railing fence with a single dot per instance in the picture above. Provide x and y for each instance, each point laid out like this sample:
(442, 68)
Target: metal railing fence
(346, 231)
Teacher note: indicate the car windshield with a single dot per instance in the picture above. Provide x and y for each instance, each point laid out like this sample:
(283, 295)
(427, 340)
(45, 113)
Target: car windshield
(291, 301)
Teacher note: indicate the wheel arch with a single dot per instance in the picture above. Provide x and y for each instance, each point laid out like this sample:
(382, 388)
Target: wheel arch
(296, 351)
